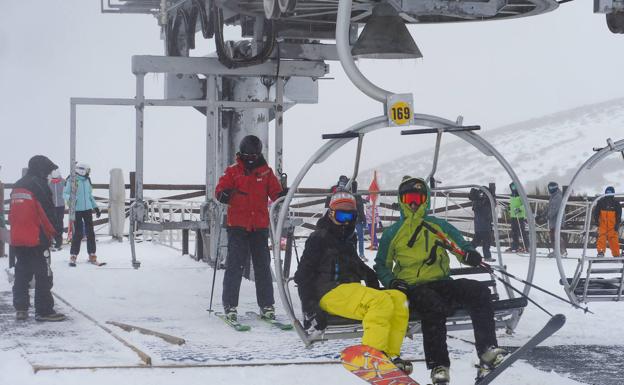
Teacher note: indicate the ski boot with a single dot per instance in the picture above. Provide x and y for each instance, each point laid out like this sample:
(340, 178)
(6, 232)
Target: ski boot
(230, 314)
(489, 360)
(267, 312)
(600, 254)
(21, 315)
(52, 317)
(440, 375)
(72, 260)
(405, 366)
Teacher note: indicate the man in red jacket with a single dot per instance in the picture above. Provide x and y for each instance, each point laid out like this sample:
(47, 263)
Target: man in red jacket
(246, 187)
(31, 232)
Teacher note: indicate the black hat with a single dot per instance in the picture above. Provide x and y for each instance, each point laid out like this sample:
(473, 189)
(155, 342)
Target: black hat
(41, 166)
(250, 144)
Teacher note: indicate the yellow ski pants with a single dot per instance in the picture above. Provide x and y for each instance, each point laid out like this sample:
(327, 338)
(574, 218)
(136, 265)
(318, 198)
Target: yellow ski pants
(384, 313)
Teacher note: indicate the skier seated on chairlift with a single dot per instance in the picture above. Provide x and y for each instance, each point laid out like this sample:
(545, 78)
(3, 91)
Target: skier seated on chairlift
(329, 280)
(608, 216)
(413, 258)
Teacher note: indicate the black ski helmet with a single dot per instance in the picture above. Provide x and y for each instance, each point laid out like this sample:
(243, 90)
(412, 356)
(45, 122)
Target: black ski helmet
(411, 184)
(553, 187)
(250, 144)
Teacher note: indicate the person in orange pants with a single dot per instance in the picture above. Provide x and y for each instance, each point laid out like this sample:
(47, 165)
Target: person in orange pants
(329, 279)
(608, 216)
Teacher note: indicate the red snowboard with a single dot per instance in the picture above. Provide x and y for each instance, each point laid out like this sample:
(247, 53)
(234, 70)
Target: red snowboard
(373, 366)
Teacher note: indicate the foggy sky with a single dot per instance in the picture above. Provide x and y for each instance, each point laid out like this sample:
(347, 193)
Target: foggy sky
(492, 73)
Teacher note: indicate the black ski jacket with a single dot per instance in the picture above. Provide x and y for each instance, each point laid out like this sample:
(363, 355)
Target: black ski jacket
(482, 214)
(608, 203)
(329, 259)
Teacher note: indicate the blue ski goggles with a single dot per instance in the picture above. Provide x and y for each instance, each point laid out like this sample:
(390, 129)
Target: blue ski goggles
(343, 216)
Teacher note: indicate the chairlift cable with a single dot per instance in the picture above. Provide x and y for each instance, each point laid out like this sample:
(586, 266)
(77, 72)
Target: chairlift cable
(492, 269)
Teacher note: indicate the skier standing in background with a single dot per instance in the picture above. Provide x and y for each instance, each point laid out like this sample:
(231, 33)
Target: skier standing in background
(482, 221)
(554, 201)
(246, 187)
(517, 214)
(412, 258)
(329, 281)
(31, 231)
(57, 184)
(608, 216)
(84, 205)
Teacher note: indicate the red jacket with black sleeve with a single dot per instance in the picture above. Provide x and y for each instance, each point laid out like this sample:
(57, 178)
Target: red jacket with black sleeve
(251, 189)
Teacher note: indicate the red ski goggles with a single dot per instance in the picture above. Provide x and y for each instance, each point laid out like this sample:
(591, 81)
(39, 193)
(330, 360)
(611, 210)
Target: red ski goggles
(413, 197)
(344, 216)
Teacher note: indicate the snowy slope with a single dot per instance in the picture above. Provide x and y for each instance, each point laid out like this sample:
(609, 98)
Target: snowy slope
(170, 293)
(548, 148)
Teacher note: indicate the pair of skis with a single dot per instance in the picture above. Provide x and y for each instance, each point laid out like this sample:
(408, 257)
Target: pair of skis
(375, 367)
(240, 327)
(96, 263)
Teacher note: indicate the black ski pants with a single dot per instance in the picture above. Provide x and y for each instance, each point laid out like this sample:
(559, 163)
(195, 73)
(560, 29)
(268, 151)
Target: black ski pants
(57, 222)
(436, 300)
(241, 244)
(483, 238)
(33, 261)
(83, 222)
(519, 236)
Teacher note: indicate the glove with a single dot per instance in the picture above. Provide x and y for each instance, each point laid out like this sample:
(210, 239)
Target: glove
(400, 285)
(472, 258)
(284, 192)
(317, 321)
(97, 212)
(225, 195)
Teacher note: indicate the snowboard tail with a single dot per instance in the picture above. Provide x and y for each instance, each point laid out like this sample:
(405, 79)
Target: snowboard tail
(373, 366)
(554, 324)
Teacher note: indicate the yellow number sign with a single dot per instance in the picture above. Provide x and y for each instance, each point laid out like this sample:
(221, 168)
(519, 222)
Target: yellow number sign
(400, 113)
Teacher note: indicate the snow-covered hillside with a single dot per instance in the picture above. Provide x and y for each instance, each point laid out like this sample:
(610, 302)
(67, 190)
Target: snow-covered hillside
(551, 147)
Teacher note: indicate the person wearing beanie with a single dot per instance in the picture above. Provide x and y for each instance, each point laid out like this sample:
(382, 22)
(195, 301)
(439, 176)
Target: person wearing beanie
(554, 201)
(245, 187)
(608, 216)
(30, 218)
(413, 258)
(517, 214)
(57, 184)
(329, 279)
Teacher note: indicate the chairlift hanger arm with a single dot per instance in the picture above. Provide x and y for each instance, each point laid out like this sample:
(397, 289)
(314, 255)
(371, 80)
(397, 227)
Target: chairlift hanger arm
(440, 129)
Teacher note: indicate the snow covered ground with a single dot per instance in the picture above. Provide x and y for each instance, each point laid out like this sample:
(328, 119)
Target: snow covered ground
(170, 293)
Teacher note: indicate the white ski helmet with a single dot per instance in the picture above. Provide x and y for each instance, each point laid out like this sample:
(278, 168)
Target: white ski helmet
(55, 173)
(82, 169)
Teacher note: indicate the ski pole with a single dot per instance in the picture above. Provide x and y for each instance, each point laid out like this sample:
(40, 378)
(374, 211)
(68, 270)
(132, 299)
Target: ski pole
(491, 269)
(215, 267)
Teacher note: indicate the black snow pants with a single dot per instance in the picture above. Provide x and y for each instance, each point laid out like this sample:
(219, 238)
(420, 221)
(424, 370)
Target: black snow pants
(483, 238)
(83, 222)
(241, 244)
(33, 261)
(437, 300)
